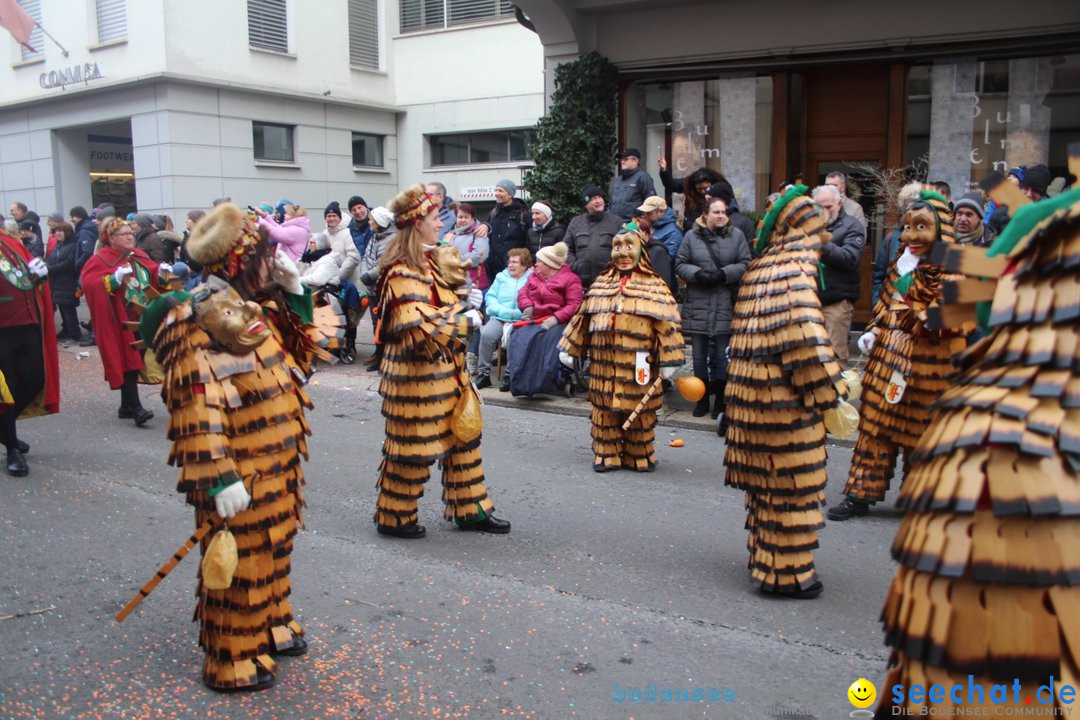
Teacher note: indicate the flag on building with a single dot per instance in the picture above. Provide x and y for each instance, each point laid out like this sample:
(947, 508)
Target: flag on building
(15, 20)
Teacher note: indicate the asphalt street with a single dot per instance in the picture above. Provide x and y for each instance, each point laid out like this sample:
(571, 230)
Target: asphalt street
(608, 583)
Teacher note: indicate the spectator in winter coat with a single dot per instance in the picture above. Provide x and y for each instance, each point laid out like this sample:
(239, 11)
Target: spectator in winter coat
(339, 239)
(507, 224)
(30, 238)
(359, 223)
(693, 188)
(840, 259)
(661, 263)
(664, 229)
(967, 220)
(472, 249)
(545, 230)
(383, 221)
(147, 238)
(553, 292)
(62, 281)
(291, 233)
(86, 236)
(712, 259)
(501, 303)
(839, 181)
(325, 270)
(588, 237)
(631, 186)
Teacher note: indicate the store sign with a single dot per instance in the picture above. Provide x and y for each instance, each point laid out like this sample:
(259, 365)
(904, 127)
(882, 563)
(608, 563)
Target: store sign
(71, 75)
(110, 154)
(481, 192)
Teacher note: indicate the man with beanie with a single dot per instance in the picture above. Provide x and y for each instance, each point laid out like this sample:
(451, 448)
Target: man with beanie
(967, 219)
(545, 229)
(146, 238)
(588, 236)
(360, 224)
(631, 186)
(86, 236)
(722, 189)
(1035, 181)
(507, 223)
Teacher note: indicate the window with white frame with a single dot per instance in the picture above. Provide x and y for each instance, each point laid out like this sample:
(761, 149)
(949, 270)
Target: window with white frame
(33, 9)
(432, 14)
(268, 27)
(482, 147)
(367, 150)
(111, 20)
(364, 34)
(273, 142)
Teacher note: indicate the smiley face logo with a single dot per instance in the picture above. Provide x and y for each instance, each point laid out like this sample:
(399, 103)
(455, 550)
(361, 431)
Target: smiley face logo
(862, 693)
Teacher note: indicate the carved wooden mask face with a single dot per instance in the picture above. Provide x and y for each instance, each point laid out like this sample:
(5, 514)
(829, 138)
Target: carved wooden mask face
(919, 229)
(626, 251)
(448, 260)
(235, 325)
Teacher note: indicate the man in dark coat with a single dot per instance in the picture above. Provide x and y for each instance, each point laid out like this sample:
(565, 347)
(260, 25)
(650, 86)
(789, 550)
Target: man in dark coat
(840, 260)
(360, 224)
(722, 189)
(147, 238)
(589, 237)
(506, 224)
(631, 186)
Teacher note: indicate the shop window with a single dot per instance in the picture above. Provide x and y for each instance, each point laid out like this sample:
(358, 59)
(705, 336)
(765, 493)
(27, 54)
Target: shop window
(968, 118)
(482, 147)
(111, 20)
(268, 27)
(433, 14)
(33, 9)
(273, 142)
(367, 150)
(364, 34)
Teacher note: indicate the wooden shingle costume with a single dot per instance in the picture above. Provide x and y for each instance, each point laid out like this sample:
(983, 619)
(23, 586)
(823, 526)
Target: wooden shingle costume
(782, 377)
(989, 577)
(424, 326)
(628, 325)
(908, 362)
(234, 371)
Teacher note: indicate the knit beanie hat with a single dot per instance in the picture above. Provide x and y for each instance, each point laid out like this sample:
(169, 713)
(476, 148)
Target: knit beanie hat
(333, 207)
(508, 186)
(383, 217)
(554, 256)
(973, 200)
(354, 201)
(1037, 178)
(195, 215)
(143, 220)
(591, 191)
(56, 216)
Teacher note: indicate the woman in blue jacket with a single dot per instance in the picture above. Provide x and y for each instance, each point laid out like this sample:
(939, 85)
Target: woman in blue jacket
(502, 308)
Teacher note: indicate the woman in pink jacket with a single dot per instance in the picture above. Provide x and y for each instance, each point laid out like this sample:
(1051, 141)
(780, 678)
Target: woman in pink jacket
(291, 232)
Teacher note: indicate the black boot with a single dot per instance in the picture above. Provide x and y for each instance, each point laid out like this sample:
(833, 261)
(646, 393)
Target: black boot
(702, 407)
(717, 387)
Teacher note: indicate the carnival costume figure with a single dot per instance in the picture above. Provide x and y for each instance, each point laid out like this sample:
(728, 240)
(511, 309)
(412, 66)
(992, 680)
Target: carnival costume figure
(426, 314)
(29, 364)
(988, 587)
(118, 281)
(629, 326)
(235, 359)
(783, 376)
(908, 362)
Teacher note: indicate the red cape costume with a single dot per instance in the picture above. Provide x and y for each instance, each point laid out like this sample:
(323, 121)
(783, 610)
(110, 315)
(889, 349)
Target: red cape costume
(49, 402)
(108, 312)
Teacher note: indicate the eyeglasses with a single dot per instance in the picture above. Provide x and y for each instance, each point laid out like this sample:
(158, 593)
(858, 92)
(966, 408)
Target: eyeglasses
(122, 233)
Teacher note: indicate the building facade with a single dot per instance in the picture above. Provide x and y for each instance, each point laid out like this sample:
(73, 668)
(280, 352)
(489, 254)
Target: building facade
(153, 105)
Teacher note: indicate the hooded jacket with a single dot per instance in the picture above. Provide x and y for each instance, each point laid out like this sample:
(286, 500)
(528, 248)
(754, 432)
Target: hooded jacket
(291, 235)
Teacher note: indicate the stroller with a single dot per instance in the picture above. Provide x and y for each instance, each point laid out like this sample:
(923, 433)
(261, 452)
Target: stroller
(351, 303)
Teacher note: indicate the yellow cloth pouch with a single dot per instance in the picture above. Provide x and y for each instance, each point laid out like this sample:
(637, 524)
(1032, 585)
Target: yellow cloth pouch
(467, 422)
(842, 421)
(219, 561)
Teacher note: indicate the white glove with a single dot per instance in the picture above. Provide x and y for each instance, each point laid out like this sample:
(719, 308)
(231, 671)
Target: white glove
(38, 267)
(164, 269)
(286, 273)
(122, 272)
(232, 500)
(473, 316)
(566, 359)
(667, 371)
(866, 342)
(474, 299)
(549, 323)
(907, 262)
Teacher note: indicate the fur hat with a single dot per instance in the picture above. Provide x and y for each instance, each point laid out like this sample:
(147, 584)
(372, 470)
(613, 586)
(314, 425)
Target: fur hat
(410, 204)
(554, 256)
(223, 234)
